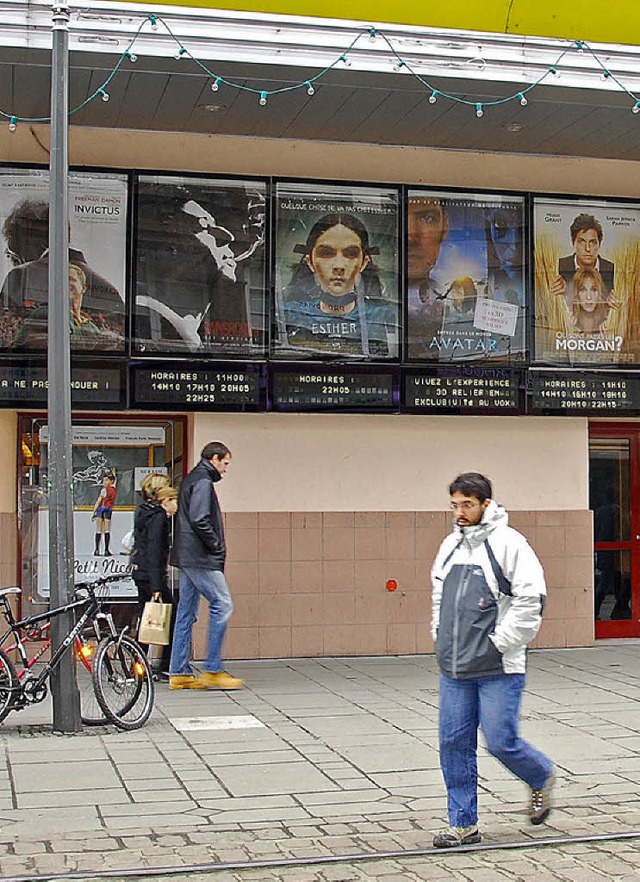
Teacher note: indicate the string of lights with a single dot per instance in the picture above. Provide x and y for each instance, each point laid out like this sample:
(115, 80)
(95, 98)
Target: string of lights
(400, 65)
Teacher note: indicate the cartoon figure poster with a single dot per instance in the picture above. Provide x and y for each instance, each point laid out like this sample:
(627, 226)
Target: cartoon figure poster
(465, 280)
(336, 284)
(587, 282)
(199, 266)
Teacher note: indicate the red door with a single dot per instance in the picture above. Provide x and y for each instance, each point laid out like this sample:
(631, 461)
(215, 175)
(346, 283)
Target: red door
(614, 481)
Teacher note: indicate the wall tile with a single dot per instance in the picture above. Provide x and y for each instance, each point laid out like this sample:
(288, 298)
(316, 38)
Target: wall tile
(307, 609)
(369, 542)
(306, 576)
(306, 520)
(338, 576)
(400, 520)
(275, 577)
(340, 640)
(274, 519)
(242, 544)
(306, 544)
(369, 519)
(371, 640)
(242, 577)
(274, 609)
(274, 543)
(240, 643)
(307, 641)
(275, 642)
(339, 609)
(338, 543)
(401, 639)
(400, 542)
(241, 520)
(338, 518)
(550, 541)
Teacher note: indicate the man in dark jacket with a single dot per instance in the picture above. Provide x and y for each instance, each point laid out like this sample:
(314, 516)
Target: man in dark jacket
(199, 552)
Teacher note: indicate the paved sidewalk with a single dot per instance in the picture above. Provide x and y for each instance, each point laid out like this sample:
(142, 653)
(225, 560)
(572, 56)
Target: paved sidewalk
(322, 757)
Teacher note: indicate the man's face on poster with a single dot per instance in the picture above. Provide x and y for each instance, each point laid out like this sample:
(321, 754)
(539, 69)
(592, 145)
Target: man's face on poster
(427, 228)
(587, 245)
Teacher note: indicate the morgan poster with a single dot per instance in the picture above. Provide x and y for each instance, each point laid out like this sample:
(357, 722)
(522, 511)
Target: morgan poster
(199, 266)
(587, 282)
(465, 280)
(336, 279)
(97, 260)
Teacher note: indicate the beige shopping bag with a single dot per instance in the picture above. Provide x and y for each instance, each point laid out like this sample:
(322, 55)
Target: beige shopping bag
(155, 622)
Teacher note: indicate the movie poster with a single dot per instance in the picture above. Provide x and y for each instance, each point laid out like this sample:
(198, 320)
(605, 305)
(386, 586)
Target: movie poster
(466, 297)
(199, 266)
(587, 282)
(336, 285)
(97, 260)
(108, 466)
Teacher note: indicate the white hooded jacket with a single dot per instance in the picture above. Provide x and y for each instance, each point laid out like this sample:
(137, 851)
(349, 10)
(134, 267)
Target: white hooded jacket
(486, 613)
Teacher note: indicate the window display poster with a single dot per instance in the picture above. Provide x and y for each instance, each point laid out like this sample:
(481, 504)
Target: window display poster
(108, 464)
(587, 282)
(97, 260)
(199, 266)
(336, 278)
(465, 282)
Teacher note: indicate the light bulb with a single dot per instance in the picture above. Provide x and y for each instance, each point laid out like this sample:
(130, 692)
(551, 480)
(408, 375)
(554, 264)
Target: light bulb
(579, 45)
(553, 71)
(479, 111)
(636, 107)
(13, 124)
(154, 22)
(523, 100)
(345, 61)
(181, 51)
(104, 95)
(606, 74)
(372, 35)
(132, 58)
(433, 97)
(398, 65)
(310, 89)
(263, 99)
(215, 85)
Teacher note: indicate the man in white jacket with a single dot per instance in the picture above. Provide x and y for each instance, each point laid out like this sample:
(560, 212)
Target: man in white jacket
(488, 597)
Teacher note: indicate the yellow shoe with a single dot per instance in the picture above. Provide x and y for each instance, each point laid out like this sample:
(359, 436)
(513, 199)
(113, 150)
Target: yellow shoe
(219, 680)
(185, 681)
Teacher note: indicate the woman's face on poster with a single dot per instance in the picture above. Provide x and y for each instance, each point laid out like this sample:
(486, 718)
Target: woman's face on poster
(336, 260)
(589, 295)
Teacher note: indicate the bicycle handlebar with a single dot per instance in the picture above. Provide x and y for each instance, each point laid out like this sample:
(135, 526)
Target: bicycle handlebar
(90, 586)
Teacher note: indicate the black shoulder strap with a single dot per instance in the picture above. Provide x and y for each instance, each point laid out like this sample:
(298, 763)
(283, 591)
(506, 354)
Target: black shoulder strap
(504, 585)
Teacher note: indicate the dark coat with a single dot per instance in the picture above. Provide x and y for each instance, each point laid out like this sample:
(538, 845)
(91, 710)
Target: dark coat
(151, 545)
(567, 269)
(199, 534)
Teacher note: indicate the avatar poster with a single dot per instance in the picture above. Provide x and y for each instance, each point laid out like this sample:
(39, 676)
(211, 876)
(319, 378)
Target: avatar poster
(465, 279)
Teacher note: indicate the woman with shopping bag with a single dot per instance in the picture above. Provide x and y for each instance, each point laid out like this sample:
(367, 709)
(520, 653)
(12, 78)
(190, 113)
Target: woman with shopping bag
(150, 556)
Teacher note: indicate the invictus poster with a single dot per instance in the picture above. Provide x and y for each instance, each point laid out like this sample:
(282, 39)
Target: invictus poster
(587, 282)
(97, 260)
(336, 280)
(199, 266)
(465, 282)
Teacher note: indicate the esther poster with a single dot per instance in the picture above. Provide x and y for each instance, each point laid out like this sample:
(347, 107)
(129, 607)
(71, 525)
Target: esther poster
(336, 281)
(97, 260)
(466, 296)
(199, 266)
(587, 282)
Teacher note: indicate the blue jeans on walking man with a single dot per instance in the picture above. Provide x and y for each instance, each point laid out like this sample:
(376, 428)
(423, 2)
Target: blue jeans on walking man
(194, 584)
(493, 703)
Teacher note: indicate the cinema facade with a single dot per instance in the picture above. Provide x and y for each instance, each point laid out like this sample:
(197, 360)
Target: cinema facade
(483, 317)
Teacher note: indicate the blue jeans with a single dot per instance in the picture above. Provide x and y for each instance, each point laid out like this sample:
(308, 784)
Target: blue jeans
(193, 584)
(493, 703)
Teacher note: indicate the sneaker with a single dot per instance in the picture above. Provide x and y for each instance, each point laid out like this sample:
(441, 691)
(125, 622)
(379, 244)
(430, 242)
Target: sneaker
(185, 681)
(540, 807)
(457, 836)
(219, 680)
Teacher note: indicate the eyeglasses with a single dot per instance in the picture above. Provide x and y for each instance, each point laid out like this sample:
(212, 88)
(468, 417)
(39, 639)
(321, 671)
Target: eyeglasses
(463, 506)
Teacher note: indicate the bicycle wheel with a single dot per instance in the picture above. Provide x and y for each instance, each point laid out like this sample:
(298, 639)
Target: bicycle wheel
(123, 682)
(8, 685)
(90, 711)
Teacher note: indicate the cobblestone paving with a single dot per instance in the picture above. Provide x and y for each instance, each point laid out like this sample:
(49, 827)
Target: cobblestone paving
(322, 758)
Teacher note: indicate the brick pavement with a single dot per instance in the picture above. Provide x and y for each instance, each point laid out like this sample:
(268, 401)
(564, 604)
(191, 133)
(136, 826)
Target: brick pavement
(324, 757)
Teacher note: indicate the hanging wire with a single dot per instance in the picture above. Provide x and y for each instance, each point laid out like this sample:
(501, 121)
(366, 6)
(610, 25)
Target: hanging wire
(308, 84)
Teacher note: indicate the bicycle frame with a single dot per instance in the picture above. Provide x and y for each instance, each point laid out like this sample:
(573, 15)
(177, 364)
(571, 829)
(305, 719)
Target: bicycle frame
(91, 608)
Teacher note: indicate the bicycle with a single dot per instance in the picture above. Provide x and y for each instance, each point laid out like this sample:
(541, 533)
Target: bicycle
(120, 676)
